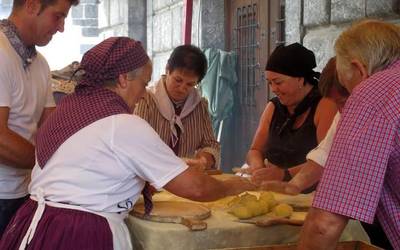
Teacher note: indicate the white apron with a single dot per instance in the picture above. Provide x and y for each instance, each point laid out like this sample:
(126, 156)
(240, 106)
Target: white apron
(120, 233)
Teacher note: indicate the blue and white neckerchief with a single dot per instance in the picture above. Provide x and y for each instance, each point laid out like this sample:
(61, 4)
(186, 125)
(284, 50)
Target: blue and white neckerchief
(27, 54)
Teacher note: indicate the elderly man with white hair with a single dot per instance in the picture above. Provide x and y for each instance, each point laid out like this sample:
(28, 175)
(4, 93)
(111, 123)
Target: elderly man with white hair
(362, 173)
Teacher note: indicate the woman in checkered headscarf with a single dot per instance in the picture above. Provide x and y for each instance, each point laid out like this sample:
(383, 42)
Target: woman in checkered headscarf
(94, 158)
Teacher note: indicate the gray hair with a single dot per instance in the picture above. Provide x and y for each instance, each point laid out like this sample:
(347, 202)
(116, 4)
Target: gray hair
(130, 75)
(374, 43)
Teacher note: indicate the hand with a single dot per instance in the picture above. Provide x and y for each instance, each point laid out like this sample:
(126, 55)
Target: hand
(198, 163)
(236, 185)
(272, 173)
(280, 187)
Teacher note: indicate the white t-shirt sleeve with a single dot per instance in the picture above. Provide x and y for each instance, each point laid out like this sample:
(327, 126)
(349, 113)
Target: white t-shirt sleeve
(320, 153)
(5, 85)
(49, 96)
(139, 148)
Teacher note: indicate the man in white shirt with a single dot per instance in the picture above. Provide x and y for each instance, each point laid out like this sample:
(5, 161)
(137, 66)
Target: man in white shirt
(25, 93)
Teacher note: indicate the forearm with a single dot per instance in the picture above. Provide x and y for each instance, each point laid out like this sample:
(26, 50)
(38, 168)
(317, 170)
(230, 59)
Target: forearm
(309, 174)
(15, 151)
(196, 185)
(321, 230)
(255, 159)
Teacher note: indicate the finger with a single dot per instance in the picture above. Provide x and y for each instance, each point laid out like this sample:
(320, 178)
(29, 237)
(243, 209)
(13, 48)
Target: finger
(292, 189)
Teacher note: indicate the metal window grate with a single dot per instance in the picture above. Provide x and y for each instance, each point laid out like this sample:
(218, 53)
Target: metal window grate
(246, 45)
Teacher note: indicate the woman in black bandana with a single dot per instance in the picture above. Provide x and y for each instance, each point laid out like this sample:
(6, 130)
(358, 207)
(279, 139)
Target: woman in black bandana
(294, 121)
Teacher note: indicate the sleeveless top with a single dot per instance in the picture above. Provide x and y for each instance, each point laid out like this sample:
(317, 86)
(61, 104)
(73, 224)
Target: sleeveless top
(288, 147)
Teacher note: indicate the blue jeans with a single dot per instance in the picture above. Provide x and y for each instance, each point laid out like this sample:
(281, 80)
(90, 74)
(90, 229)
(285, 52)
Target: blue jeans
(7, 210)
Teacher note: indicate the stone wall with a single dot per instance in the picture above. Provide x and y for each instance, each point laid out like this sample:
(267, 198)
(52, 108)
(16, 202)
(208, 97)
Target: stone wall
(85, 15)
(317, 23)
(165, 28)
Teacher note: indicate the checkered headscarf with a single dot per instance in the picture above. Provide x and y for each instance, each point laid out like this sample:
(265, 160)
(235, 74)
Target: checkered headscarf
(91, 102)
(110, 58)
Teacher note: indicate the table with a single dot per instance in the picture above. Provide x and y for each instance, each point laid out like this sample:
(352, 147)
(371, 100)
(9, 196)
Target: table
(223, 231)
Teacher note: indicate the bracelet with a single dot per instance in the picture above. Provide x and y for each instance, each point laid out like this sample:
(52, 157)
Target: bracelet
(286, 175)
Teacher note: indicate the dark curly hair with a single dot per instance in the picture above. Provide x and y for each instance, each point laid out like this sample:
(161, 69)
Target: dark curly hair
(188, 57)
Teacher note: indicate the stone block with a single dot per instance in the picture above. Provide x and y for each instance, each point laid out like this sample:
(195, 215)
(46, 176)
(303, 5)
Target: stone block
(160, 4)
(91, 11)
(380, 7)
(177, 26)
(162, 32)
(213, 24)
(118, 12)
(86, 22)
(292, 21)
(321, 41)
(347, 11)
(77, 11)
(89, 1)
(90, 32)
(316, 12)
(159, 62)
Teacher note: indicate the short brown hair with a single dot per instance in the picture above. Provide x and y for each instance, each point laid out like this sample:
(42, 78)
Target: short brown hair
(45, 3)
(329, 80)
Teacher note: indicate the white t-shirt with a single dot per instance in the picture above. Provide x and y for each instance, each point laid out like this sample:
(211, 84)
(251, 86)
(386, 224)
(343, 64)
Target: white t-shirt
(320, 153)
(26, 92)
(103, 167)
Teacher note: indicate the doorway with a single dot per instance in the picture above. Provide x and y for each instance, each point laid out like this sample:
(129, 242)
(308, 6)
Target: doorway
(254, 29)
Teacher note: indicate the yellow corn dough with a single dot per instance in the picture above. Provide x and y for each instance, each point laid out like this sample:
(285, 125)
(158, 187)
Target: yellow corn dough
(283, 210)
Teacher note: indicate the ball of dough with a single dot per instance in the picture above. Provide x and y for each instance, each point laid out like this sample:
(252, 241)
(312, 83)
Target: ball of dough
(242, 212)
(254, 207)
(269, 198)
(244, 199)
(264, 206)
(283, 210)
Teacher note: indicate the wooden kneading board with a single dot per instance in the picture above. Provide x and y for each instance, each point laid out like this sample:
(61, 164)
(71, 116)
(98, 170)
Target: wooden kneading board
(297, 219)
(185, 213)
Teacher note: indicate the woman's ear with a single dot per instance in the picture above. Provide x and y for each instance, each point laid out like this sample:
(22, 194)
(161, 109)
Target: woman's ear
(123, 80)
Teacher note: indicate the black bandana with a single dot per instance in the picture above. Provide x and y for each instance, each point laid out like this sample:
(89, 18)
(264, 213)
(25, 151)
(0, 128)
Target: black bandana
(294, 60)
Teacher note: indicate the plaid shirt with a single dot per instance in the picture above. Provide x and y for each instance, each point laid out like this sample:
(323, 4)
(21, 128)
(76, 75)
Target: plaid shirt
(362, 174)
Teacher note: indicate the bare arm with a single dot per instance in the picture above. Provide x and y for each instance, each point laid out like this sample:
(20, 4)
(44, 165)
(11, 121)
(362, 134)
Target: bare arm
(255, 156)
(309, 174)
(326, 111)
(321, 230)
(209, 152)
(45, 114)
(195, 185)
(15, 150)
